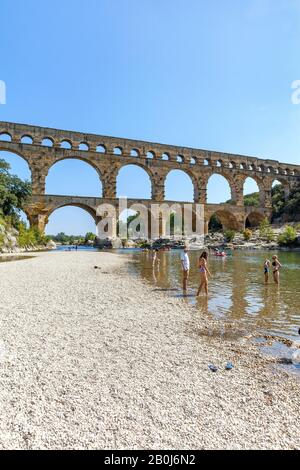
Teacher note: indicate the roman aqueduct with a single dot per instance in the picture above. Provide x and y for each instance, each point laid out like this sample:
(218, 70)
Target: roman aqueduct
(107, 155)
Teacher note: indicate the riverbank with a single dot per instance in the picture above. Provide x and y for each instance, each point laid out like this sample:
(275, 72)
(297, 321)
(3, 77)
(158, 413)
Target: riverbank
(91, 358)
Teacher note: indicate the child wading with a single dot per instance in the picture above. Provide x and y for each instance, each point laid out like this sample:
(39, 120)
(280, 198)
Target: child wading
(267, 265)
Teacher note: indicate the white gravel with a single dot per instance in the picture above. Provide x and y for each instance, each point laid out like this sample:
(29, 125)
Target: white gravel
(92, 358)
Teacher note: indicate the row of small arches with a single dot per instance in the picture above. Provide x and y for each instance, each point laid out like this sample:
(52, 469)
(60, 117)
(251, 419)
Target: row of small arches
(101, 148)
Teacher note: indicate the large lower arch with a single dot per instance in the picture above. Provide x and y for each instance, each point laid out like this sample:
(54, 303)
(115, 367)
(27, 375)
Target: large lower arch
(180, 186)
(226, 218)
(134, 181)
(72, 219)
(74, 176)
(254, 219)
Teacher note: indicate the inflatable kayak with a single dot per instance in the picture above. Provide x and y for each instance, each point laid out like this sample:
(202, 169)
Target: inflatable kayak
(222, 255)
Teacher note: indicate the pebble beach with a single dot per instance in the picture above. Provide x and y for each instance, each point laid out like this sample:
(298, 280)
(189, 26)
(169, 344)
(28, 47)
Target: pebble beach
(97, 359)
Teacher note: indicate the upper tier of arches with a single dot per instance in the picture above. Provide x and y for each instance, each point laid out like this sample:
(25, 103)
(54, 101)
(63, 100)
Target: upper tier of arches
(90, 144)
(160, 183)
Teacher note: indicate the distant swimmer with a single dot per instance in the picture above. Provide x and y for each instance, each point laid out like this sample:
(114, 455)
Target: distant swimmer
(276, 266)
(203, 271)
(267, 265)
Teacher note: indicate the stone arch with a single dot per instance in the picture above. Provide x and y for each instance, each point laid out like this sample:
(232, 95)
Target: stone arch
(140, 166)
(118, 150)
(134, 152)
(227, 219)
(5, 137)
(278, 180)
(212, 184)
(47, 142)
(89, 164)
(44, 217)
(253, 219)
(26, 139)
(101, 148)
(251, 192)
(84, 146)
(85, 207)
(183, 173)
(7, 148)
(17, 154)
(66, 144)
(150, 154)
(238, 185)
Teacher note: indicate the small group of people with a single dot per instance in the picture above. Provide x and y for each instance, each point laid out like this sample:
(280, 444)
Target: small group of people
(202, 267)
(275, 265)
(205, 273)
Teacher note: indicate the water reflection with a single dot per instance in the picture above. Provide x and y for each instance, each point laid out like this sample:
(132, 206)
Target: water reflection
(236, 290)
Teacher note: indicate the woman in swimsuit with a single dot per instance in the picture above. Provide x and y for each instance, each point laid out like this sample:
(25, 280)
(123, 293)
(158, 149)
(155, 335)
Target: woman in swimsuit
(267, 265)
(276, 266)
(203, 271)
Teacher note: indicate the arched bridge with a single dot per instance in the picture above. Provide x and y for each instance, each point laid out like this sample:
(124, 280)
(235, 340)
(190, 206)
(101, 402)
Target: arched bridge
(42, 147)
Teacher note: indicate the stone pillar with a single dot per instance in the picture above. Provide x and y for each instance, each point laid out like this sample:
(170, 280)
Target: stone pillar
(149, 224)
(38, 221)
(237, 194)
(109, 182)
(162, 226)
(200, 190)
(206, 223)
(196, 192)
(265, 198)
(265, 193)
(203, 196)
(38, 180)
(158, 187)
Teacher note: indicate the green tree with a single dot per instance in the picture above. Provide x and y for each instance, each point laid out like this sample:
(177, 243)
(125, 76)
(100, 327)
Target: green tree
(13, 192)
(278, 201)
(252, 200)
(292, 205)
(90, 236)
(266, 231)
(288, 237)
(229, 235)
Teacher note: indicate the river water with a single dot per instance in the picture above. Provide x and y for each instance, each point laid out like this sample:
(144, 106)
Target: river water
(236, 290)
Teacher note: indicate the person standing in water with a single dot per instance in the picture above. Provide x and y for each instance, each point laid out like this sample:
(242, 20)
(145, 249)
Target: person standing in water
(203, 271)
(155, 259)
(185, 264)
(276, 266)
(267, 265)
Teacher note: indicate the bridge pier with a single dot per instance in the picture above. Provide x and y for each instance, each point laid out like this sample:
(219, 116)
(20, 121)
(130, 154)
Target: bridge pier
(38, 221)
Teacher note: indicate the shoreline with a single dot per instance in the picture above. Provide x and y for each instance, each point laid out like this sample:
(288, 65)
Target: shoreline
(113, 363)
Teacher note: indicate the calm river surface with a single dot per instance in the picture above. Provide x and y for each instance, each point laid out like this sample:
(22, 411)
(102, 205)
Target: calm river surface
(236, 289)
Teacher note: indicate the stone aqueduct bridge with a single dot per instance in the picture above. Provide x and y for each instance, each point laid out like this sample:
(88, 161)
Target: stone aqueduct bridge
(107, 155)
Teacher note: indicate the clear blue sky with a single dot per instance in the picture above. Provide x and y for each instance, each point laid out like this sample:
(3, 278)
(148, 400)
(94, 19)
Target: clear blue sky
(212, 74)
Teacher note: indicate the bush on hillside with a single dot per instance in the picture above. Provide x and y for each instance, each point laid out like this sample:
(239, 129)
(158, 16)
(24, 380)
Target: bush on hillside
(288, 237)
